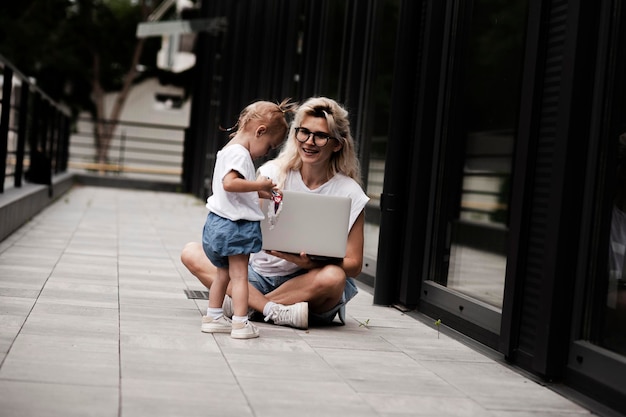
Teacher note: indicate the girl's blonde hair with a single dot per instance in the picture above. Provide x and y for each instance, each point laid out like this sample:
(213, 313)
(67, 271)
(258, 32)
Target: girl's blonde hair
(343, 161)
(271, 114)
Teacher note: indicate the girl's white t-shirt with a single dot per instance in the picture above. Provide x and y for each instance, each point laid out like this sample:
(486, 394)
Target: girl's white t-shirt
(234, 206)
(340, 185)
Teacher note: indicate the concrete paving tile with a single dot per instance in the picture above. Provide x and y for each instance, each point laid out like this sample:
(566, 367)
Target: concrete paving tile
(11, 271)
(7, 337)
(176, 325)
(84, 295)
(430, 347)
(474, 378)
(497, 387)
(18, 292)
(61, 365)
(29, 282)
(304, 397)
(151, 285)
(385, 372)
(102, 327)
(143, 251)
(95, 249)
(134, 340)
(272, 339)
(205, 398)
(248, 363)
(518, 413)
(87, 266)
(10, 306)
(25, 255)
(350, 336)
(153, 267)
(535, 399)
(173, 365)
(157, 331)
(82, 313)
(425, 405)
(167, 300)
(13, 314)
(32, 399)
(158, 314)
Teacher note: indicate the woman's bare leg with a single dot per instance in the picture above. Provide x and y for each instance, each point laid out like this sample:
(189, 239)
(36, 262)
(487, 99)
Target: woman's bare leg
(218, 289)
(196, 261)
(321, 288)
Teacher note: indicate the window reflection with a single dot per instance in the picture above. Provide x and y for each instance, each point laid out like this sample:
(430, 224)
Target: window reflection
(493, 65)
(615, 313)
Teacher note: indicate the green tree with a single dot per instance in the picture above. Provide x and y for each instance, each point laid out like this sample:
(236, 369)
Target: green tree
(78, 50)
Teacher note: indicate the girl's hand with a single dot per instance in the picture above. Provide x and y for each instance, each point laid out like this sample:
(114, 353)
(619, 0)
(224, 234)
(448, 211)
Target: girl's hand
(265, 184)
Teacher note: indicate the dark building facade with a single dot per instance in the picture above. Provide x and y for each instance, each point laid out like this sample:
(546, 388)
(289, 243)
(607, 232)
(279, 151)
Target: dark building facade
(500, 126)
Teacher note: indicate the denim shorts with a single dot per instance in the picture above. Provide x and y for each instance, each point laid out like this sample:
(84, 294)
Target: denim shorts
(222, 238)
(268, 284)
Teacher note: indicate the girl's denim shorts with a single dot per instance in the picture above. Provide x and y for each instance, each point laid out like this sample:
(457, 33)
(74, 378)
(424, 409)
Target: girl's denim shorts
(222, 238)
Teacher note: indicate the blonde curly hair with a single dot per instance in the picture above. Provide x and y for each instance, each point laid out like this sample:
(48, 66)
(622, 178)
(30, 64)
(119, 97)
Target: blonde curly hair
(271, 114)
(343, 161)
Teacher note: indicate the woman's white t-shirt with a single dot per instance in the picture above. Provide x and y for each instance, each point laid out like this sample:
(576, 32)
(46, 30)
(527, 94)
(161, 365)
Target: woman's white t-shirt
(340, 184)
(234, 206)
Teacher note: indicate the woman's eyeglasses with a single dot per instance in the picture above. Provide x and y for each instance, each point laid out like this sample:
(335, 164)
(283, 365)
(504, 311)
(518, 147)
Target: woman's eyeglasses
(319, 138)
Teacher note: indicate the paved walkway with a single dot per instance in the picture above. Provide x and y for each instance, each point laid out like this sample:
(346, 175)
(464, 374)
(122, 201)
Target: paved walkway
(95, 321)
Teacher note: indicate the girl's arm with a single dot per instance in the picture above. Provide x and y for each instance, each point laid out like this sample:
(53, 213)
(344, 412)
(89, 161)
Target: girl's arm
(233, 182)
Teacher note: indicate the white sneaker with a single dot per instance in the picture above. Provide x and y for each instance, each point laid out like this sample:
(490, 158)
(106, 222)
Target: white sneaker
(221, 325)
(228, 310)
(245, 330)
(295, 315)
(227, 306)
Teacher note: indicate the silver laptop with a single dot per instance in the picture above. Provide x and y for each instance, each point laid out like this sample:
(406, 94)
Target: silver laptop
(311, 223)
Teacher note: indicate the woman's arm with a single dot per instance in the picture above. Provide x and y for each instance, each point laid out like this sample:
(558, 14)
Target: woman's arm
(353, 261)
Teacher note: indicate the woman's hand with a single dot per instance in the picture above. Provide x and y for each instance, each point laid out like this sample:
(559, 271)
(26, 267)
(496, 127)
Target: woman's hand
(302, 260)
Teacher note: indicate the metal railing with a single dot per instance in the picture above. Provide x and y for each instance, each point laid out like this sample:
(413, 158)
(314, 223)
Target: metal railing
(137, 150)
(34, 131)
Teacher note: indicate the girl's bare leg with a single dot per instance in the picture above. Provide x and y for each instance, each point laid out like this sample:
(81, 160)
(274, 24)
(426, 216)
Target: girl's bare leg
(238, 269)
(218, 289)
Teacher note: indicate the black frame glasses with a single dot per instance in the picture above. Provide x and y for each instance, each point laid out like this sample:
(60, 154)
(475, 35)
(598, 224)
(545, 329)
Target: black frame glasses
(320, 139)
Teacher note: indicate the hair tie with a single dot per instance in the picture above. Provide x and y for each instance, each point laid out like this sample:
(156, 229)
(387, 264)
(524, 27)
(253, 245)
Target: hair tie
(228, 129)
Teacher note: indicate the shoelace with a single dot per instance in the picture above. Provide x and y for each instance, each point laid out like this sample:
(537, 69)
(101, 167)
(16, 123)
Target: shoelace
(277, 315)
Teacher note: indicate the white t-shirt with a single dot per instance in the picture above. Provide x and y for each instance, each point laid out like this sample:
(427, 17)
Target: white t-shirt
(340, 184)
(234, 206)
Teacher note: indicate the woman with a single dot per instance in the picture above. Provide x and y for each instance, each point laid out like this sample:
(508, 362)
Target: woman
(318, 157)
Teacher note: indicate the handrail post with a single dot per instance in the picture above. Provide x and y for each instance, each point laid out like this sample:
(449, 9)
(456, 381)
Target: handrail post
(21, 133)
(7, 87)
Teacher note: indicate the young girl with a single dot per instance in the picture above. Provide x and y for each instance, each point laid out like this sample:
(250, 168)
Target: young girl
(232, 230)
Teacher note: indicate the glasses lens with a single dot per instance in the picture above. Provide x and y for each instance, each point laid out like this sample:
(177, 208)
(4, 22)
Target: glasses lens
(302, 134)
(319, 139)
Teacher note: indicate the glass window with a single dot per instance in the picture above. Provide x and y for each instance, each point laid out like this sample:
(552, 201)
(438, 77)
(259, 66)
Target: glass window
(612, 334)
(491, 85)
(610, 321)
